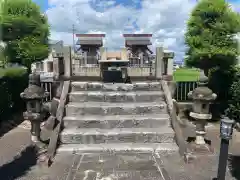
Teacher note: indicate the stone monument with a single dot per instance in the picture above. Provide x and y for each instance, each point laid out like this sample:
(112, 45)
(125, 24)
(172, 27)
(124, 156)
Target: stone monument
(34, 95)
(202, 97)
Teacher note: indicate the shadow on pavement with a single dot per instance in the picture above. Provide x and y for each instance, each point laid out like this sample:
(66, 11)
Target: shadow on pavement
(10, 123)
(20, 164)
(234, 162)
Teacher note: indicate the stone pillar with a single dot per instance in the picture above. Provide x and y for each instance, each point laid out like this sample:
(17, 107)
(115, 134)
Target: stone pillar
(85, 58)
(141, 59)
(56, 68)
(38, 66)
(67, 61)
(45, 66)
(124, 54)
(158, 62)
(170, 67)
(103, 53)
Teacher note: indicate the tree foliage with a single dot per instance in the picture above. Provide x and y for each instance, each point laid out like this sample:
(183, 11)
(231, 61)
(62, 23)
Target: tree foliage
(25, 31)
(210, 35)
(234, 102)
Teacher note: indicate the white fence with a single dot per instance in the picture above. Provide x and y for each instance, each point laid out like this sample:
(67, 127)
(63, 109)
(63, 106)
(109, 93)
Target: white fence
(182, 90)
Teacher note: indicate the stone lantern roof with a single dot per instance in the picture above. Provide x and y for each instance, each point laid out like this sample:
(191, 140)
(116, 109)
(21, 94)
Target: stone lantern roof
(34, 91)
(202, 92)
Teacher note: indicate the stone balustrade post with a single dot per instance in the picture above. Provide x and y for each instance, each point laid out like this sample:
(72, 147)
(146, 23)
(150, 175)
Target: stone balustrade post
(170, 67)
(124, 55)
(141, 59)
(67, 61)
(103, 53)
(58, 67)
(85, 58)
(159, 62)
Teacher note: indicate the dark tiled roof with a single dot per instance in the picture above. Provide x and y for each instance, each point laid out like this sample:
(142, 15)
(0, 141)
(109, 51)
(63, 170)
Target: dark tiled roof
(138, 42)
(137, 35)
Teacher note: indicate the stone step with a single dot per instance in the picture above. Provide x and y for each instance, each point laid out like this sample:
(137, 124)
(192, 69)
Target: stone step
(104, 108)
(116, 147)
(116, 121)
(100, 86)
(114, 96)
(117, 135)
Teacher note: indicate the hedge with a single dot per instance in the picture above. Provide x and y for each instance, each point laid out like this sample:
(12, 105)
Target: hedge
(13, 81)
(234, 103)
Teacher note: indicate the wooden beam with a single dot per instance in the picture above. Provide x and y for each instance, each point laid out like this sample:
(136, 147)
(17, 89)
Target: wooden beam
(137, 35)
(60, 114)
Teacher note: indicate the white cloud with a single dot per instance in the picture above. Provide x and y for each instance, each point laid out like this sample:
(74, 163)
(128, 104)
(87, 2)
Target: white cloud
(165, 19)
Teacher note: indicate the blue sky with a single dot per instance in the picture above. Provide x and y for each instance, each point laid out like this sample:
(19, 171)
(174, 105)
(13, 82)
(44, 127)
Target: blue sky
(165, 19)
(44, 3)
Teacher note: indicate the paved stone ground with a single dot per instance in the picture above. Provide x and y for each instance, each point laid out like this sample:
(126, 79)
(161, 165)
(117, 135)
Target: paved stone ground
(18, 162)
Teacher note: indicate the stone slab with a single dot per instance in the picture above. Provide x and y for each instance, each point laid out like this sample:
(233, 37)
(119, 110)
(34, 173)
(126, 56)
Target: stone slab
(123, 121)
(135, 86)
(120, 166)
(88, 108)
(160, 148)
(117, 135)
(114, 96)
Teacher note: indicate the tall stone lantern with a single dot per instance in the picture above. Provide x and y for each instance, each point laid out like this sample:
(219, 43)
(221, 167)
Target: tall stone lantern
(34, 95)
(202, 97)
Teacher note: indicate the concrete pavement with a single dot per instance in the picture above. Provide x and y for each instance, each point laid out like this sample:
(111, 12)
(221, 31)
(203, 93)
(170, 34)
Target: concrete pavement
(18, 161)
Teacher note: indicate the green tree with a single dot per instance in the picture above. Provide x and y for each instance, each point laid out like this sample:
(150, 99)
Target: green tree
(234, 102)
(25, 31)
(210, 36)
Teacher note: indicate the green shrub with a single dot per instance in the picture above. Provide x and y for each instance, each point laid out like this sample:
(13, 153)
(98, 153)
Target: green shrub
(13, 81)
(234, 103)
(220, 82)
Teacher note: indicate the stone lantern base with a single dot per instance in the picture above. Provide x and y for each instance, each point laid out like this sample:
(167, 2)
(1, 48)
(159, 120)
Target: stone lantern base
(196, 151)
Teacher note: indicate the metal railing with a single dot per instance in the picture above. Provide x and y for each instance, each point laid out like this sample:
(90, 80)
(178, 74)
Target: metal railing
(137, 69)
(48, 86)
(182, 90)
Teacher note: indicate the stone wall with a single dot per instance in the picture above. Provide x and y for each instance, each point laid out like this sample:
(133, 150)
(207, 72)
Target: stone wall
(139, 71)
(87, 71)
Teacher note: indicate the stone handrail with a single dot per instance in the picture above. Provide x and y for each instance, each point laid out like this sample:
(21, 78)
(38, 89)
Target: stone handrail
(59, 116)
(181, 142)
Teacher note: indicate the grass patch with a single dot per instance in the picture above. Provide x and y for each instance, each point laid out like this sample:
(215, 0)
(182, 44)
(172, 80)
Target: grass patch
(2, 72)
(12, 71)
(186, 74)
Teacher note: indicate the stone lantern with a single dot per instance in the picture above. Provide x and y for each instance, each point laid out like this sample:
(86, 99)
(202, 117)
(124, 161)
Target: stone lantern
(34, 95)
(202, 97)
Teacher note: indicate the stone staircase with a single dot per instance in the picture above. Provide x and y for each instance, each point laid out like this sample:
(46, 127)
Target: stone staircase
(116, 117)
